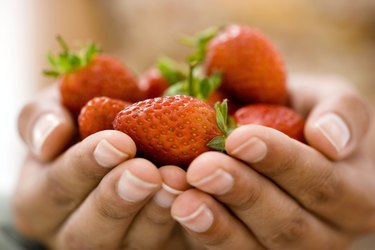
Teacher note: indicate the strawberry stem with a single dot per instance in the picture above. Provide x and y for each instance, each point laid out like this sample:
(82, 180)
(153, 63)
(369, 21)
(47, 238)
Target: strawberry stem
(68, 61)
(195, 83)
(191, 79)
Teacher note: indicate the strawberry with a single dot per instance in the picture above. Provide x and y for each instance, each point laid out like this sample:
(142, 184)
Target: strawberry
(219, 96)
(278, 117)
(252, 70)
(152, 84)
(169, 130)
(98, 114)
(89, 74)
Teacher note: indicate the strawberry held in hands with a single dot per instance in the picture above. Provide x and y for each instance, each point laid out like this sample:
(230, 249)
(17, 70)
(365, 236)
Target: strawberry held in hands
(252, 70)
(169, 130)
(278, 117)
(156, 80)
(152, 84)
(89, 74)
(98, 114)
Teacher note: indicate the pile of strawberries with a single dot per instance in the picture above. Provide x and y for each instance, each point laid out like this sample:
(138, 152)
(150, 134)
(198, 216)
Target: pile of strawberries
(174, 112)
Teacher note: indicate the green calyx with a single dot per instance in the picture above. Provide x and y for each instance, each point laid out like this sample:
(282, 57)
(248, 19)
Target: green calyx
(193, 83)
(68, 61)
(225, 123)
(170, 70)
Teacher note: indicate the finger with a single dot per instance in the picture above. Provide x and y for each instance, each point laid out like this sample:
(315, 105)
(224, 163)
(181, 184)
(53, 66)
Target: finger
(155, 222)
(106, 215)
(53, 192)
(338, 125)
(210, 224)
(307, 175)
(339, 118)
(46, 127)
(276, 220)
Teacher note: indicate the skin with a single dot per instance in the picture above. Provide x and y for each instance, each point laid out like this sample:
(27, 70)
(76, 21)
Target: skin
(66, 199)
(292, 197)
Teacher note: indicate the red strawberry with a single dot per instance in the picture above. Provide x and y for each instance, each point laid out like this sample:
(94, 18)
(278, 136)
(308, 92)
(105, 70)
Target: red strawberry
(219, 96)
(89, 74)
(98, 114)
(152, 84)
(278, 117)
(252, 70)
(169, 130)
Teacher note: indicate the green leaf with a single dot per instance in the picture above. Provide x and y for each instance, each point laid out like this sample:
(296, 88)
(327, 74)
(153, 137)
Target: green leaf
(205, 88)
(68, 61)
(63, 44)
(217, 143)
(188, 41)
(198, 85)
(86, 54)
(215, 80)
(51, 73)
(51, 59)
(224, 110)
(180, 88)
(222, 116)
(231, 125)
(170, 70)
(220, 120)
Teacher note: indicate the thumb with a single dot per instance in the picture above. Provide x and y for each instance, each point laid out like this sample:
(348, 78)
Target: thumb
(338, 125)
(46, 127)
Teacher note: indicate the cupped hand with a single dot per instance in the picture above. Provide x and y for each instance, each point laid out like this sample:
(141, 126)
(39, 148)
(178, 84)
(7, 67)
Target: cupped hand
(272, 192)
(93, 195)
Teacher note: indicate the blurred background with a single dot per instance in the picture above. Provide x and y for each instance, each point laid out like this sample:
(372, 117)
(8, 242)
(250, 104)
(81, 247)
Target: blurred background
(317, 37)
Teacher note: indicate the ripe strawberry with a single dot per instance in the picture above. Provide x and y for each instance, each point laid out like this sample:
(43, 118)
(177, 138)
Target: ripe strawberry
(98, 114)
(169, 130)
(252, 70)
(89, 74)
(152, 84)
(278, 117)
(219, 96)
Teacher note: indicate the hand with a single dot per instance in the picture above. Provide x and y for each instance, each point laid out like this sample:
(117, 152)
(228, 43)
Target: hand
(272, 192)
(94, 195)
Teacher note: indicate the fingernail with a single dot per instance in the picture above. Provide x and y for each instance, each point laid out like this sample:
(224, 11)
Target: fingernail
(335, 130)
(133, 189)
(251, 151)
(219, 182)
(166, 195)
(199, 221)
(106, 155)
(43, 127)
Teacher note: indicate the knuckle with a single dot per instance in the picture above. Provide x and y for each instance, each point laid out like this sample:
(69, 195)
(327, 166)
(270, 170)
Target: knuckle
(158, 218)
(59, 193)
(219, 239)
(71, 241)
(78, 159)
(246, 200)
(107, 207)
(289, 233)
(286, 164)
(326, 189)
